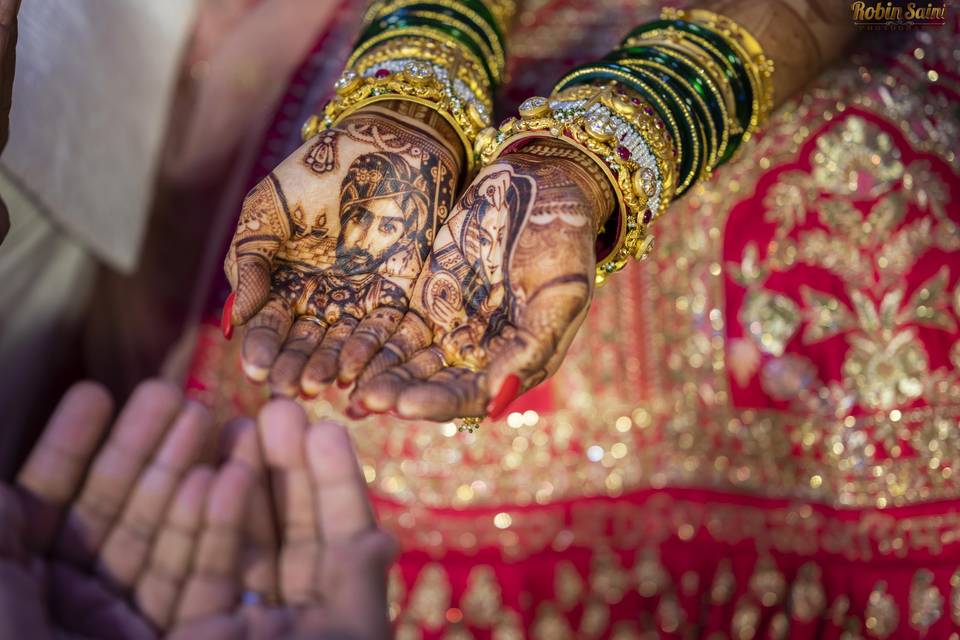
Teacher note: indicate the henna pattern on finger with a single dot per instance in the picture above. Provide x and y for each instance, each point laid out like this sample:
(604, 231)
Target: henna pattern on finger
(264, 220)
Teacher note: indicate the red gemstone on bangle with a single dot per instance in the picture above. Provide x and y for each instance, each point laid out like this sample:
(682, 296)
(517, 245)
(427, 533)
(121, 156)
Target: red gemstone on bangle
(382, 73)
(623, 152)
(647, 216)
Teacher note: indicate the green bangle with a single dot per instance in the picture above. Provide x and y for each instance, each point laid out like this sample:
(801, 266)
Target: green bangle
(383, 25)
(685, 139)
(716, 46)
(701, 81)
(490, 46)
(741, 107)
(486, 27)
(480, 11)
(722, 94)
(694, 130)
(693, 91)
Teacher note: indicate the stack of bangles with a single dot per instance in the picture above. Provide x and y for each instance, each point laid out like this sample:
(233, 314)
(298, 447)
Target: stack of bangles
(448, 55)
(661, 111)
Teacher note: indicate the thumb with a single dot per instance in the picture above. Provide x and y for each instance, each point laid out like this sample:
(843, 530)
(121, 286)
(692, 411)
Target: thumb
(534, 350)
(263, 226)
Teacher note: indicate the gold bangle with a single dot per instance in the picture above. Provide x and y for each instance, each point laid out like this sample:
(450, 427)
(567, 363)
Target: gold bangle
(425, 33)
(417, 83)
(593, 132)
(495, 56)
(676, 146)
(439, 54)
(501, 10)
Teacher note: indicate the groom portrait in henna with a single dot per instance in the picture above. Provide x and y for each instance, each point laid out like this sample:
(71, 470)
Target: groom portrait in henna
(310, 271)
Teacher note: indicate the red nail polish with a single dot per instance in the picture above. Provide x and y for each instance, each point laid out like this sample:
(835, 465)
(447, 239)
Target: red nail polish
(226, 320)
(343, 384)
(363, 406)
(355, 413)
(507, 394)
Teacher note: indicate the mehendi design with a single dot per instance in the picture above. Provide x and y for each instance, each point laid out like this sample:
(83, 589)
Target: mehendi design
(322, 156)
(509, 280)
(336, 233)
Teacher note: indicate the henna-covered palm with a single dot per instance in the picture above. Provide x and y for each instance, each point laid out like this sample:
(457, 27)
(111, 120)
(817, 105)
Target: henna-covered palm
(507, 286)
(329, 245)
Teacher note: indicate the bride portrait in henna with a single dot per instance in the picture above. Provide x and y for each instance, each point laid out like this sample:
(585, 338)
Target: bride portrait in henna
(643, 316)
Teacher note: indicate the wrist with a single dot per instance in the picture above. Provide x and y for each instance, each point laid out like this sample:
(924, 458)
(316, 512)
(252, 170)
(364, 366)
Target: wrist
(421, 120)
(592, 186)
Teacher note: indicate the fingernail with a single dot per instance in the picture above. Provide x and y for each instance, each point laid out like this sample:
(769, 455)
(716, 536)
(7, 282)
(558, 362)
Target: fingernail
(507, 394)
(307, 396)
(343, 384)
(226, 320)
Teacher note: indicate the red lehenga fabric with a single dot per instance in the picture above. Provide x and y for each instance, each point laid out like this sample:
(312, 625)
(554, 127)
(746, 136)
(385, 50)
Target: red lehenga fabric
(756, 431)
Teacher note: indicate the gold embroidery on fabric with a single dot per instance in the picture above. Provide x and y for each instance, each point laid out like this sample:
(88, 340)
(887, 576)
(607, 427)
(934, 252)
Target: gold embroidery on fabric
(482, 599)
(652, 578)
(549, 624)
(626, 630)
(567, 585)
(457, 632)
(509, 627)
(926, 601)
(670, 615)
(596, 617)
(767, 584)
(779, 627)
(429, 597)
(396, 591)
(746, 619)
(723, 584)
(838, 611)
(882, 614)
(807, 598)
(407, 630)
(955, 597)
(608, 578)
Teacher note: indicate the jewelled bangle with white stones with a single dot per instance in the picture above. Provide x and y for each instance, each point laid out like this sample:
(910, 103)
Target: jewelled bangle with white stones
(624, 136)
(414, 81)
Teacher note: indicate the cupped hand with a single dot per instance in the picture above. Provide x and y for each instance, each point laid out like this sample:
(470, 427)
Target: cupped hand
(132, 536)
(329, 245)
(508, 283)
(127, 537)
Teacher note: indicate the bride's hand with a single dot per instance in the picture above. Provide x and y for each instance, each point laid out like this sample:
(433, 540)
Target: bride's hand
(330, 243)
(507, 286)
